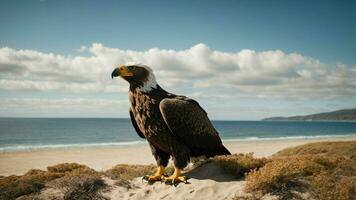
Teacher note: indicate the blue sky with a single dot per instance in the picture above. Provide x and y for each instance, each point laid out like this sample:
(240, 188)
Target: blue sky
(321, 33)
(322, 29)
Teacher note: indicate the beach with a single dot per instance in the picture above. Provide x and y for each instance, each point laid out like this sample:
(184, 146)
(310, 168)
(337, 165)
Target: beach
(102, 158)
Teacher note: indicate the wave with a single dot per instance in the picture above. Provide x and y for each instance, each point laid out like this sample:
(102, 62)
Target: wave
(286, 137)
(60, 146)
(128, 143)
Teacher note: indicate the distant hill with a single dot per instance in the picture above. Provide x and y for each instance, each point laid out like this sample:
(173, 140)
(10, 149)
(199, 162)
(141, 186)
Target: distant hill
(346, 114)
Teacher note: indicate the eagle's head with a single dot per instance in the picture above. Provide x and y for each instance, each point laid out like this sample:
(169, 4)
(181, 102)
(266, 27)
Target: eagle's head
(139, 76)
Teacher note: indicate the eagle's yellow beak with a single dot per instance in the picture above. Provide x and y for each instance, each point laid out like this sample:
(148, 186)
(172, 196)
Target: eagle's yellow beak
(121, 71)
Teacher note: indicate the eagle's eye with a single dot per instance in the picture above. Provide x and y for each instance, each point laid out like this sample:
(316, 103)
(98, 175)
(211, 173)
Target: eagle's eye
(130, 67)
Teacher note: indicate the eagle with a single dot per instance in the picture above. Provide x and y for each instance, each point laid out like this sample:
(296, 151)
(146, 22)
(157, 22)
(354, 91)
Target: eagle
(175, 126)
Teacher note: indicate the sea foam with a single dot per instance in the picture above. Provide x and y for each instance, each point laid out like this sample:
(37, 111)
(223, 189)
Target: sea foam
(136, 142)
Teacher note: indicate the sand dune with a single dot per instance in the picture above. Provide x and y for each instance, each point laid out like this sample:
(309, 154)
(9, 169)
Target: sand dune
(206, 182)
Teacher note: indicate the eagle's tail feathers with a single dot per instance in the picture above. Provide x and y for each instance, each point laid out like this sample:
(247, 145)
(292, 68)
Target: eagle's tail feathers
(223, 151)
(220, 151)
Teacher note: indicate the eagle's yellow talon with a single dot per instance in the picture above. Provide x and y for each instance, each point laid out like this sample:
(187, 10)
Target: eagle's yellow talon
(156, 177)
(175, 178)
(152, 178)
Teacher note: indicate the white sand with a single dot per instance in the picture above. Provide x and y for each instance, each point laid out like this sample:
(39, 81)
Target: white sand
(206, 182)
(101, 158)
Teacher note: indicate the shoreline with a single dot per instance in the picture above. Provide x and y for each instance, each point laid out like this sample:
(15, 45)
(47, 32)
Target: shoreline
(26, 148)
(105, 157)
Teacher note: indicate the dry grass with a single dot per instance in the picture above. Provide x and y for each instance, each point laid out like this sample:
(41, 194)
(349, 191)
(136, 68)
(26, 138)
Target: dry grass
(239, 164)
(80, 187)
(331, 186)
(33, 181)
(281, 175)
(128, 172)
(347, 149)
(327, 170)
(71, 169)
(75, 180)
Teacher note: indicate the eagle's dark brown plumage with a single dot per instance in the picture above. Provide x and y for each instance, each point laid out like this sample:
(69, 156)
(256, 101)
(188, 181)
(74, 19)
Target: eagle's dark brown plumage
(175, 126)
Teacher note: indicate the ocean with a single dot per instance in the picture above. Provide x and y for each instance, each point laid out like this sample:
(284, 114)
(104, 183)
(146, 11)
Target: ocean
(18, 134)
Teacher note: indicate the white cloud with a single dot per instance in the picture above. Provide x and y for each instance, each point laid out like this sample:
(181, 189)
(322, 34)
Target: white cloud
(272, 74)
(82, 49)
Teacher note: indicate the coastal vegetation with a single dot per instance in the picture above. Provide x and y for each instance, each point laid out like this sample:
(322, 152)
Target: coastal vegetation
(239, 164)
(323, 170)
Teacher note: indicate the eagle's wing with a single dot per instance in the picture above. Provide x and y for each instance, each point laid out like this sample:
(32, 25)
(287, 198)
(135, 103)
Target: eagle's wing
(191, 125)
(133, 121)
